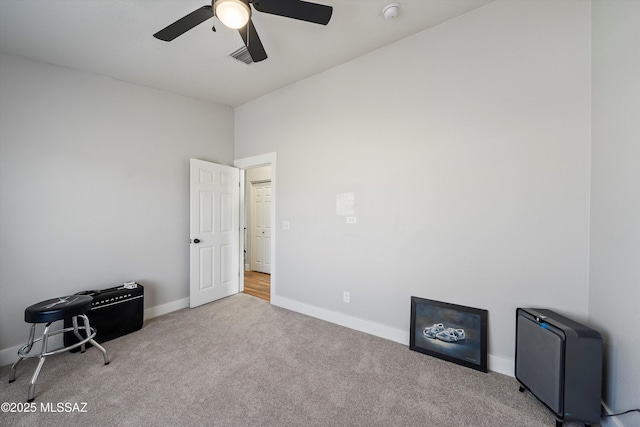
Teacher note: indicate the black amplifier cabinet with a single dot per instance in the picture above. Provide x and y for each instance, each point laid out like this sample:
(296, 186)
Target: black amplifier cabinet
(560, 362)
(114, 312)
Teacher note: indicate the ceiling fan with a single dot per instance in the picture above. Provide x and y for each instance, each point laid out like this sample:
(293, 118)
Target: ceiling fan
(236, 14)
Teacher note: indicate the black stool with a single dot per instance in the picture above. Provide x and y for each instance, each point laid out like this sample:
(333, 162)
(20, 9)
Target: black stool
(48, 312)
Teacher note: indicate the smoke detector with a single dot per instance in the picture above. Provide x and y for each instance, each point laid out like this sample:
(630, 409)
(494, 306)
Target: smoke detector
(391, 10)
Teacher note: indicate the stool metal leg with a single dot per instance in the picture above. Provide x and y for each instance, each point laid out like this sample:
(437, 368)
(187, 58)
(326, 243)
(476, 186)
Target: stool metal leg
(74, 320)
(27, 349)
(24, 351)
(32, 384)
(105, 356)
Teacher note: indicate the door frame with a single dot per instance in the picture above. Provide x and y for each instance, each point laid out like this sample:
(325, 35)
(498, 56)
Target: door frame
(268, 159)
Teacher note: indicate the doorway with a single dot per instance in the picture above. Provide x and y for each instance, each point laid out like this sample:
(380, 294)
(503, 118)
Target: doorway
(257, 284)
(257, 211)
(257, 224)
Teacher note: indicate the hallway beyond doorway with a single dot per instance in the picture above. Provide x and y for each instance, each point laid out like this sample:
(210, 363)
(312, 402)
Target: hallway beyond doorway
(257, 284)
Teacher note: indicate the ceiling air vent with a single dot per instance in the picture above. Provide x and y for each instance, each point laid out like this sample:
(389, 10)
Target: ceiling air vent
(242, 55)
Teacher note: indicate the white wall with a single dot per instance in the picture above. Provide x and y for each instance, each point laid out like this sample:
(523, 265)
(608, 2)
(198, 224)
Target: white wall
(614, 295)
(467, 149)
(94, 186)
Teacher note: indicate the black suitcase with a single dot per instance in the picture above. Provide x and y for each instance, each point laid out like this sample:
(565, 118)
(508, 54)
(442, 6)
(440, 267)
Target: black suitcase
(114, 312)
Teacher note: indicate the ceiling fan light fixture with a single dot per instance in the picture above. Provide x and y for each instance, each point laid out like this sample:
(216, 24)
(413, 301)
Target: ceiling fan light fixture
(232, 13)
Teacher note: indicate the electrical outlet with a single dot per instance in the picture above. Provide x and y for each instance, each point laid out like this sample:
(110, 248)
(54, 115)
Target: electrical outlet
(286, 225)
(351, 220)
(346, 296)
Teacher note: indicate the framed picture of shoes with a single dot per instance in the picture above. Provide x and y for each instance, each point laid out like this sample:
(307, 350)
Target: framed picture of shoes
(449, 331)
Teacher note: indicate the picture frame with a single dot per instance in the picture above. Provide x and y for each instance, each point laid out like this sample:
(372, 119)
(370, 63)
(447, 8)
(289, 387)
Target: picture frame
(451, 332)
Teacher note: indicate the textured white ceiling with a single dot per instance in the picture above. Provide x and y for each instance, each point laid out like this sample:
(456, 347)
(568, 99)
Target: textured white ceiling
(114, 38)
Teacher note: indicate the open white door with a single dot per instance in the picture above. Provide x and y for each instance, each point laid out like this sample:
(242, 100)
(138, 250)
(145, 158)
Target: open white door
(215, 232)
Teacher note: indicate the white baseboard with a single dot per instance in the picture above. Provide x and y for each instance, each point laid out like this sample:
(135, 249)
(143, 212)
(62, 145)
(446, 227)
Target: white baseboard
(159, 310)
(612, 421)
(502, 365)
(10, 355)
(366, 326)
(496, 363)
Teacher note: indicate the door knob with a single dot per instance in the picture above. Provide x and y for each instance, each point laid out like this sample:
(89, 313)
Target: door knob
(196, 240)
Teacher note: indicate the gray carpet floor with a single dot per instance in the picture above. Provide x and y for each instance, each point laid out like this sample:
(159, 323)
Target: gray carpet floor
(243, 362)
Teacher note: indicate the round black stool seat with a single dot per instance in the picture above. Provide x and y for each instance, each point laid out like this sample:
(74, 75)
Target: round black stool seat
(57, 309)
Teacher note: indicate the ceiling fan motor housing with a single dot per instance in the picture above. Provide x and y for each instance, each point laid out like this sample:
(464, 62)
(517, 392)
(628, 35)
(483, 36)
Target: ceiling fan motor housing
(233, 13)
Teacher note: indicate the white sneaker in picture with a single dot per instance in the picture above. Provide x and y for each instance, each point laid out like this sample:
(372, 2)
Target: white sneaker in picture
(432, 331)
(451, 335)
